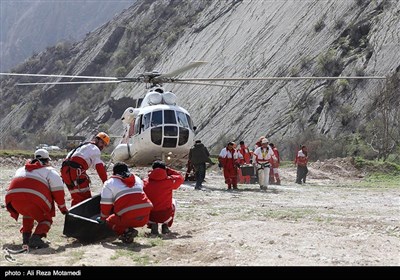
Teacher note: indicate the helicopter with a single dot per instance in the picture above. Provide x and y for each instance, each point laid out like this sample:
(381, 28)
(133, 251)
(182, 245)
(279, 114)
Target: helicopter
(159, 129)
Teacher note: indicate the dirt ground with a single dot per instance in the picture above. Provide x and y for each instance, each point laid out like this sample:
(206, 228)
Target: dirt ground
(332, 220)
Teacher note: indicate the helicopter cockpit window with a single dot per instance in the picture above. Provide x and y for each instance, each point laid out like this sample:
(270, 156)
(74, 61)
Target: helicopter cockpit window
(183, 136)
(146, 121)
(190, 122)
(156, 118)
(137, 125)
(182, 120)
(169, 116)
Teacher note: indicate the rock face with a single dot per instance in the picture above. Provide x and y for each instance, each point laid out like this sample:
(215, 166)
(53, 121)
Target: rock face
(27, 27)
(238, 39)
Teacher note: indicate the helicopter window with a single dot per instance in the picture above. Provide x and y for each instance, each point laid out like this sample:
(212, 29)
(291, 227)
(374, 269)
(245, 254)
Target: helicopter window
(169, 116)
(137, 125)
(156, 135)
(169, 142)
(170, 131)
(183, 136)
(190, 122)
(182, 120)
(156, 119)
(146, 121)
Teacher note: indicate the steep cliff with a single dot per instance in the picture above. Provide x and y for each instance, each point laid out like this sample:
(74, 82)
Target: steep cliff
(27, 27)
(238, 39)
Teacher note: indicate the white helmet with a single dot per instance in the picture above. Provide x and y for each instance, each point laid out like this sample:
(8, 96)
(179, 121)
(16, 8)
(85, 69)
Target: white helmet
(42, 154)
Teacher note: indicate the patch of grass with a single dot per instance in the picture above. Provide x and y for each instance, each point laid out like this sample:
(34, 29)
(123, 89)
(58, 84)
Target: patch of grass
(289, 214)
(134, 256)
(379, 180)
(156, 242)
(54, 155)
(75, 256)
(212, 213)
(375, 167)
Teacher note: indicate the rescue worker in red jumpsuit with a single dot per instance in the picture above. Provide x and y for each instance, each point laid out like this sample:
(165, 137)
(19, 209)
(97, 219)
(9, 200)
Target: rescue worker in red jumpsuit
(274, 170)
(301, 161)
(78, 161)
(123, 204)
(229, 160)
(159, 187)
(244, 151)
(32, 193)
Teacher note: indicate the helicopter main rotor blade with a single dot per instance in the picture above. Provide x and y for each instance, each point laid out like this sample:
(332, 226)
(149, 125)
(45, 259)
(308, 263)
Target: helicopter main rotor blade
(58, 76)
(178, 71)
(206, 84)
(69, 83)
(280, 78)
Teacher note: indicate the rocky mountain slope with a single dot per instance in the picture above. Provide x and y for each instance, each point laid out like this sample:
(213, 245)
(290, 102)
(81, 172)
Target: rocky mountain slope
(238, 39)
(28, 27)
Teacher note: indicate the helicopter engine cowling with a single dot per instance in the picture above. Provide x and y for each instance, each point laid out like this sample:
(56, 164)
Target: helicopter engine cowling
(169, 98)
(154, 98)
(122, 152)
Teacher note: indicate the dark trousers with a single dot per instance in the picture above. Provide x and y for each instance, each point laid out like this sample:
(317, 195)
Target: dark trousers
(200, 173)
(301, 174)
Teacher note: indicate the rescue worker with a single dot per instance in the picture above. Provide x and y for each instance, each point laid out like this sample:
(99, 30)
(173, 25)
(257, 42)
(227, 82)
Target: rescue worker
(123, 204)
(244, 151)
(274, 177)
(263, 157)
(78, 161)
(301, 161)
(198, 156)
(159, 186)
(229, 160)
(32, 193)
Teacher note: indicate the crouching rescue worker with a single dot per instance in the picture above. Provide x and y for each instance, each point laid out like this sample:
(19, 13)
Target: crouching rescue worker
(123, 204)
(158, 187)
(32, 193)
(78, 161)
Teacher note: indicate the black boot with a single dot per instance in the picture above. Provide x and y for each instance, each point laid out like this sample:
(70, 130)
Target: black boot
(165, 229)
(128, 236)
(36, 242)
(25, 237)
(154, 228)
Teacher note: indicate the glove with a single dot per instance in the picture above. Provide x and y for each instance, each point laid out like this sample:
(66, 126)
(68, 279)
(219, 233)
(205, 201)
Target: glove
(220, 165)
(237, 165)
(100, 221)
(65, 212)
(251, 161)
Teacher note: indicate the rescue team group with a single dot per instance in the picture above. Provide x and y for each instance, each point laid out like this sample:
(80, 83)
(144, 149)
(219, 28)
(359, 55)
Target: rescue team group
(265, 160)
(127, 201)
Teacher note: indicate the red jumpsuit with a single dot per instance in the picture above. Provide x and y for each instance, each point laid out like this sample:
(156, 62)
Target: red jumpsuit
(159, 188)
(124, 204)
(229, 158)
(32, 193)
(244, 151)
(274, 171)
(74, 167)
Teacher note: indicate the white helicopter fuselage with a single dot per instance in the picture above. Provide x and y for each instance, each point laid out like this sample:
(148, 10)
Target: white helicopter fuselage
(155, 132)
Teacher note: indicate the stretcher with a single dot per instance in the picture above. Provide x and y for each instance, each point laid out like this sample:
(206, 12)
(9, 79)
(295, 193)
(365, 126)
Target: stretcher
(80, 222)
